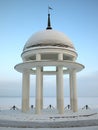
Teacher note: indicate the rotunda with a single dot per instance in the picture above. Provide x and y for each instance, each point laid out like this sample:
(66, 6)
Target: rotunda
(49, 48)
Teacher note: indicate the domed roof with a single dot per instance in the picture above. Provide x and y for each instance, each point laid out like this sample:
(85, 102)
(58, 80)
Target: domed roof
(48, 38)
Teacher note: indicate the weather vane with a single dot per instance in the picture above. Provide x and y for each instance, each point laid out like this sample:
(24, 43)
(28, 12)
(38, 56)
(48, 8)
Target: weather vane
(49, 21)
(49, 8)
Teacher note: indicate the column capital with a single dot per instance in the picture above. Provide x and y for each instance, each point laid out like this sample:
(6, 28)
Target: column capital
(60, 56)
(26, 71)
(38, 56)
(72, 70)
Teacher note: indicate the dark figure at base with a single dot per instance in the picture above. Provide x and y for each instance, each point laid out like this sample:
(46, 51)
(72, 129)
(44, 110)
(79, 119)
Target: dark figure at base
(14, 108)
(86, 107)
(68, 107)
(50, 107)
(32, 106)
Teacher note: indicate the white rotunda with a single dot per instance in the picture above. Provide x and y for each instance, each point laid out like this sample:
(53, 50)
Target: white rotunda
(49, 48)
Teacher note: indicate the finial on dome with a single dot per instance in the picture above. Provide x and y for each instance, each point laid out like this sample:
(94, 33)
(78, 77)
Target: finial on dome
(49, 21)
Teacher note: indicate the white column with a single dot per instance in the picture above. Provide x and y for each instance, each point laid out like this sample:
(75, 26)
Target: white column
(57, 98)
(60, 89)
(41, 89)
(73, 91)
(25, 91)
(38, 90)
(38, 87)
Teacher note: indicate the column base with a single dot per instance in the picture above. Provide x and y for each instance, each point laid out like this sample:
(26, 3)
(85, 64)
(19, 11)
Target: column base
(61, 106)
(38, 106)
(75, 106)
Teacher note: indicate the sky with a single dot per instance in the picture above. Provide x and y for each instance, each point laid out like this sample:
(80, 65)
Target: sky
(19, 19)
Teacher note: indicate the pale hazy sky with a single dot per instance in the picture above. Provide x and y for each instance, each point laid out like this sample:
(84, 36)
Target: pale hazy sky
(19, 19)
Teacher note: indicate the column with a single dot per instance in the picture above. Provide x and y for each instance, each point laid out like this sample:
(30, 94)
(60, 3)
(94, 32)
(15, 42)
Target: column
(25, 91)
(38, 87)
(60, 89)
(73, 91)
(57, 98)
(41, 89)
(38, 90)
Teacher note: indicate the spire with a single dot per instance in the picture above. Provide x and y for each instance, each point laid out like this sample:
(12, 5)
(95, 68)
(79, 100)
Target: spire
(49, 21)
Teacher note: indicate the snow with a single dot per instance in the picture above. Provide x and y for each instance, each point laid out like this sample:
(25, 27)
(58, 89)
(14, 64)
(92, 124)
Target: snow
(47, 37)
(75, 128)
(47, 115)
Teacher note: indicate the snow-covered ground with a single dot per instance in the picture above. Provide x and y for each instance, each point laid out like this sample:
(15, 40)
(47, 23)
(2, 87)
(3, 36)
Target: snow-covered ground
(75, 128)
(48, 115)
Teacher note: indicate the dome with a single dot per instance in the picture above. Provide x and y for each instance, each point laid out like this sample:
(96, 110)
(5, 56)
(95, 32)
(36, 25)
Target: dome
(48, 38)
